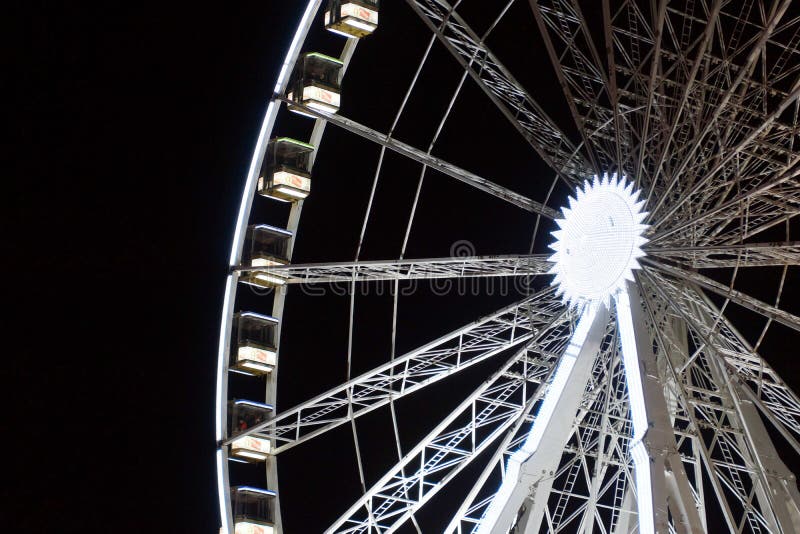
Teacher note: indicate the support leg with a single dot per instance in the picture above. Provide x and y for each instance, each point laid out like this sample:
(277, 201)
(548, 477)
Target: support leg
(531, 469)
(653, 445)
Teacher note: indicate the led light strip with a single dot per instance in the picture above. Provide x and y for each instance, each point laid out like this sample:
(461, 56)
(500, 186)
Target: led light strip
(222, 492)
(222, 355)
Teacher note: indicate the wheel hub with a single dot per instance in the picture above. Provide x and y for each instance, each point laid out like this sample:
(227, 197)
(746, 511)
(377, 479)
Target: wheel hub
(599, 241)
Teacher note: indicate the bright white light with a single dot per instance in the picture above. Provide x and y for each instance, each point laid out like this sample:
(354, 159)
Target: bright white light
(334, 30)
(221, 493)
(222, 356)
(644, 491)
(251, 447)
(254, 404)
(299, 111)
(319, 106)
(273, 230)
(630, 359)
(266, 129)
(268, 261)
(265, 262)
(299, 37)
(257, 366)
(252, 177)
(291, 192)
(255, 315)
(270, 279)
(360, 25)
(247, 454)
(598, 242)
(251, 489)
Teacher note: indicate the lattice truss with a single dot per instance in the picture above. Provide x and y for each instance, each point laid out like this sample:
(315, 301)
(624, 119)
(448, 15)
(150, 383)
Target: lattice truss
(698, 102)
(592, 480)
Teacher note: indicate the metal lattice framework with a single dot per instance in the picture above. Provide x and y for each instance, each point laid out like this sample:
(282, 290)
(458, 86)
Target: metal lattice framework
(696, 102)
(365, 271)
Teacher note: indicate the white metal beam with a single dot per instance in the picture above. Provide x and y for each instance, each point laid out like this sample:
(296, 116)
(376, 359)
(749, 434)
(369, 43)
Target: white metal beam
(511, 99)
(530, 470)
(743, 299)
(468, 430)
(416, 269)
(653, 431)
(736, 471)
(731, 256)
(421, 156)
(447, 355)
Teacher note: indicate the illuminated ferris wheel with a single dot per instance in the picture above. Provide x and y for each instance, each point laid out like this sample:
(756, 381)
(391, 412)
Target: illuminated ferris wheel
(622, 397)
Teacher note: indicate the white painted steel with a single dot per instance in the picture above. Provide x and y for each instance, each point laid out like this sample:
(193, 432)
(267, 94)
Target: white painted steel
(668, 404)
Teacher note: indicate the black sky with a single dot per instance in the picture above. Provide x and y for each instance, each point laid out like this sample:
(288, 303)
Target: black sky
(131, 132)
(132, 129)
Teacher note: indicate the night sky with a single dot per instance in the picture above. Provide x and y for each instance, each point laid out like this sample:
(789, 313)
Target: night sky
(132, 131)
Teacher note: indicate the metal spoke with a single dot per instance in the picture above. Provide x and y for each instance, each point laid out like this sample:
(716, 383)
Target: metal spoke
(430, 268)
(759, 380)
(452, 445)
(721, 106)
(730, 256)
(411, 372)
(708, 34)
(651, 93)
(430, 161)
(748, 213)
(525, 114)
(733, 153)
(742, 299)
(579, 71)
(603, 411)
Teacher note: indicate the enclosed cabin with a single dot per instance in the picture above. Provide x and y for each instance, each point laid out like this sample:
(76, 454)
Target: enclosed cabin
(253, 510)
(316, 83)
(243, 415)
(253, 349)
(285, 173)
(265, 246)
(352, 18)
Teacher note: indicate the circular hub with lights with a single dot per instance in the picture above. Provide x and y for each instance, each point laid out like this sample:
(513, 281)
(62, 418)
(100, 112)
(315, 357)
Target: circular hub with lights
(598, 241)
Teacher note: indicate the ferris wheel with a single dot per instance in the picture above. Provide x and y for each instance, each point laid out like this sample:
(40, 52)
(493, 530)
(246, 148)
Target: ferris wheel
(627, 389)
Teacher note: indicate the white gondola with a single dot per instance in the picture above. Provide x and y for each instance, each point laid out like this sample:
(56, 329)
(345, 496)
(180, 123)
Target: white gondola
(253, 510)
(266, 246)
(352, 18)
(253, 351)
(316, 83)
(285, 175)
(245, 414)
